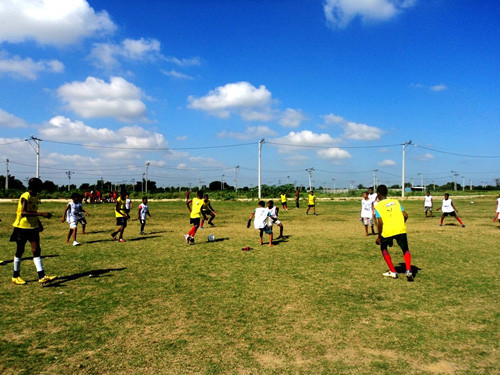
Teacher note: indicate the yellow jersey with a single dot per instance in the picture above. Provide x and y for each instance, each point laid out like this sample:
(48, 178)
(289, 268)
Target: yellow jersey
(27, 222)
(120, 212)
(391, 212)
(311, 199)
(283, 198)
(196, 206)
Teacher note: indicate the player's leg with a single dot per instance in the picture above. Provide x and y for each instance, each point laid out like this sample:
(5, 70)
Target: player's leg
(70, 232)
(314, 210)
(402, 241)
(143, 224)
(271, 239)
(460, 221)
(212, 217)
(281, 230)
(442, 218)
(261, 233)
(385, 254)
(366, 230)
(16, 279)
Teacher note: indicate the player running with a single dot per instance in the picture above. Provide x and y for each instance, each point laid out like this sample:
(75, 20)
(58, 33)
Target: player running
(273, 218)
(448, 209)
(311, 202)
(428, 204)
(207, 209)
(27, 228)
(261, 214)
(194, 206)
(391, 223)
(142, 213)
(121, 216)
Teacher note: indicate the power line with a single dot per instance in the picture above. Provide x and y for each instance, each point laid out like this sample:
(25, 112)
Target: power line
(318, 146)
(456, 154)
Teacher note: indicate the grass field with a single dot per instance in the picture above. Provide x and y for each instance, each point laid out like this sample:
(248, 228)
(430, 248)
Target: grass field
(316, 303)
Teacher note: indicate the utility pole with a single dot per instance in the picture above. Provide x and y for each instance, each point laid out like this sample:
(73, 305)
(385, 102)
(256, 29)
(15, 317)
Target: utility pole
(142, 183)
(7, 177)
(261, 142)
(455, 175)
(463, 183)
(310, 171)
(69, 173)
(421, 181)
(37, 151)
(147, 169)
(471, 184)
(351, 186)
(375, 179)
(334, 189)
(403, 174)
(236, 178)
(222, 183)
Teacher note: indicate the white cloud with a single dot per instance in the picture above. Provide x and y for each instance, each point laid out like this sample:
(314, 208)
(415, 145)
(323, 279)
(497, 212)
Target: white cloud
(386, 163)
(423, 157)
(55, 22)
(8, 120)
(440, 87)
(240, 98)
(182, 138)
(27, 68)
(193, 61)
(353, 130)
(292, 118)
(334, 154)
(435, 88)
(95, 98)
(305, 138)
(252, 132)
(177, 75)
(107, 54)
(339, 13)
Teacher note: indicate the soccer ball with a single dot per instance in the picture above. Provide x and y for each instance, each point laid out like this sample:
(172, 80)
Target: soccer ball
(211, 238)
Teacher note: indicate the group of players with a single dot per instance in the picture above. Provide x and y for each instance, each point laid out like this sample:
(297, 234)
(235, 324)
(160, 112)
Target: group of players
(389, 214)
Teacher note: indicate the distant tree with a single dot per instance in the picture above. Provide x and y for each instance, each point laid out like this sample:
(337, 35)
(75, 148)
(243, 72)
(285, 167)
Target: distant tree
(497, 182)
(14, 183)
(49, 186)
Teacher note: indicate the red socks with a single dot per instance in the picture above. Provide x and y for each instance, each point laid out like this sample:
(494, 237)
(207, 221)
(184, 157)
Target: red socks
(388, 260)
(192, 232)
(407, 257)
(460, 221)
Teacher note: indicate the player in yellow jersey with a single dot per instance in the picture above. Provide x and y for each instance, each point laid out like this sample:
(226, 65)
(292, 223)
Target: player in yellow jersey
(194, 206)
(27, 228)
(391, 218)
(311, 202)
(284, 204)
(206, 210)
(121, 215)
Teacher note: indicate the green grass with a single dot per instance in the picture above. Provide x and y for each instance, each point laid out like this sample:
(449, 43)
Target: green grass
(316, 303)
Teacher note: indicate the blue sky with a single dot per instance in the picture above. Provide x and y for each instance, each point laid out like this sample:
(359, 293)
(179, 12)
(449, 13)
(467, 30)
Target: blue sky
(111, 86)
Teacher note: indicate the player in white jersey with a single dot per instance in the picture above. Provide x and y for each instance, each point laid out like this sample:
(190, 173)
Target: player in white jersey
(449, 209)
(273, 218)
(498, 212)
(367, 212)
(261, 214)
(373, 199)
(70, 215)
(128, 204)
(428, 204)
(143, 213)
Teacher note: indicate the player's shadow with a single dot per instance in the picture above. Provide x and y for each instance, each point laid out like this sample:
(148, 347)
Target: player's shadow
(401, 268)
(97, 232)
(28, 258)
(142, 238)
(219, 239)
(98, 241)
(61, 281)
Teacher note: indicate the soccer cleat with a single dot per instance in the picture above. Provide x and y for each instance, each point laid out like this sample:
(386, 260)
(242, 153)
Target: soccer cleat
(46, 279)
(114, 236)
(121, 240)
(409, 275)
(142, 233)
(440, 225)
(394, 275)
(18, 281)
(186, 237)
(201, 227)
(76, 243)
(211, 224)
(463, 225)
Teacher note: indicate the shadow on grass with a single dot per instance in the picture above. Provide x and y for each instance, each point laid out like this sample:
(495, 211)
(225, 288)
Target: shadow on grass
(219, 239)
(95, 232)
(5, 262)
(401, 268)
(142, 238)
(61, 281)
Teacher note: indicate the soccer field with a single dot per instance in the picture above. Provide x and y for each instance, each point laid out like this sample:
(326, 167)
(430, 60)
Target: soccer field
(314, 303)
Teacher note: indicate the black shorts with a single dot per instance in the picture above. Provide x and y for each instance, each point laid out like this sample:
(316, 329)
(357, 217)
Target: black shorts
(449, 214)
(266, 229)
(311, 205)
(121, 221)
(22, 235)
(401, 239)
(207, 212)
(195, 221)
(82, 220)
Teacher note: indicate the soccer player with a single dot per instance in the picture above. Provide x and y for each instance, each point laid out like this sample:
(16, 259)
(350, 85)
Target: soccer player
(448, 209)
(367, 213)
(391, 225)
(71, 214)
(81, 214)
(273, 218)
(297, 197)
(373, 199)
(261, 214)
(311, 202)
(121, 216)
(27, 228)
(207, 209)
(428, 203)
(143, 213)
(284, 204)
(128, 204)
(194, 206)
(498, 212)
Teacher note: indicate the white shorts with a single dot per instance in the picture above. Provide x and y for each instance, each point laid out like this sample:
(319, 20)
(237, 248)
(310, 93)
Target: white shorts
(72, 224)
(272, 222)
(367, 221)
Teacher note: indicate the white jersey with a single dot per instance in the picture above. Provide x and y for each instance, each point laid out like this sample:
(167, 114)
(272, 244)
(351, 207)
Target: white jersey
(372, 197)
(261, 215)
(498, 205)
(72, 215)
(127, 203)
(366, 208)
(273, 213)
(144, 210)
(447, 205)
(428, 201)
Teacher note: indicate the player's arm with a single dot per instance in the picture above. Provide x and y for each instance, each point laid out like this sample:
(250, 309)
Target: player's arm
(64, 213)
(86, 213)
(26, 213)
(380, 226)
(437, 209)
(277, 211)
(139, 213)
(452, 205)
(148, 213)
(211, 208)
(432, 202)
(250, 219)
(188, 203)
(405, 215)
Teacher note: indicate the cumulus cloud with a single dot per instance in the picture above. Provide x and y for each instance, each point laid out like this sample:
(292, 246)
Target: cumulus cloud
(353, 130)
(27, 68)
(54, 22)
(177, 75)
(333, 154)
(292, 118)
(108, 54)
(241, 98)
(252, 132)
(8, 120)
(386, 163)
(96, 98)
(304, 138)
(339, 13)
